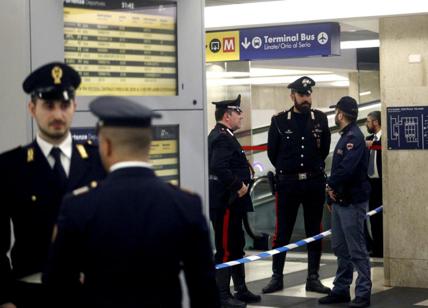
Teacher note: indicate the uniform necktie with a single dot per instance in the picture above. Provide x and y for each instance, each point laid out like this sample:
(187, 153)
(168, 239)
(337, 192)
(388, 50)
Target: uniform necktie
(371, 168)
(58, 169)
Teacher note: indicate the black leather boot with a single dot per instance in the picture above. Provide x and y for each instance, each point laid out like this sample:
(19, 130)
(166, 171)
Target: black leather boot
(276, 283)
(242, 292)
(226, 299)
(313, 283)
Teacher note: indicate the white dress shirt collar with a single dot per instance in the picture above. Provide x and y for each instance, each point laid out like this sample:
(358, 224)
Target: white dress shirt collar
(65, 146)
(130, 164)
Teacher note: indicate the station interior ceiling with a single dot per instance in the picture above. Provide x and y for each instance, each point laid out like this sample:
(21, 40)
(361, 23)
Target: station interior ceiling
(330, 71)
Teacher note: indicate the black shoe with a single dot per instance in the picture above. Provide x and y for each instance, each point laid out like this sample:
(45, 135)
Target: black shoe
(360, 302)
(231, 302)
(275, 284)
(248, 297)
(315, 285)
(334, 299)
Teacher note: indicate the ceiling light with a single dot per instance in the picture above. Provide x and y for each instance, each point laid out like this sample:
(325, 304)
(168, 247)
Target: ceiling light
(365, 93)
(359, 44)
(277, 12)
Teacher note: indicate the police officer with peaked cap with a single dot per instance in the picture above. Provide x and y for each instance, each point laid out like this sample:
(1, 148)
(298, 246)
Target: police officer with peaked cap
(230, 176)
(38, 176)
(131, 235)
(348, 191)
(298, 144)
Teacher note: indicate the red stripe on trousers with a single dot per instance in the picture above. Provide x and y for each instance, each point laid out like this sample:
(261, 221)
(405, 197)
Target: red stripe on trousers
(226, 220)
(276, 220)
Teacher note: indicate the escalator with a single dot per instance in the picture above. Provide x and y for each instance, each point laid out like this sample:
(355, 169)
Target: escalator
(261, 223)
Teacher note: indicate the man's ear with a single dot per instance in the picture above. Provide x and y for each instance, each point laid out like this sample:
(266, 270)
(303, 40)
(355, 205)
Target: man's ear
(32, 108)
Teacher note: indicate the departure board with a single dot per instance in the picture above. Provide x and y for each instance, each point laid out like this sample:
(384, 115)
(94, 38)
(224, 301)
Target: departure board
(122, 48)
(164, 150)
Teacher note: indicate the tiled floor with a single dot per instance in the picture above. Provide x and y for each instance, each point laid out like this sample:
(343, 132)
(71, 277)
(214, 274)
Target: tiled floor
(294, 295)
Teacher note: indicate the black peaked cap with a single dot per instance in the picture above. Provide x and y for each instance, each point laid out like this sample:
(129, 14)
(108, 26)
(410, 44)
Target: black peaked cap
(118, 111)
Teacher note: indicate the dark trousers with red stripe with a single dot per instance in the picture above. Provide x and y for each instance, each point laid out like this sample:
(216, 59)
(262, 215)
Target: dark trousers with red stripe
(228, 233)
(309, 193)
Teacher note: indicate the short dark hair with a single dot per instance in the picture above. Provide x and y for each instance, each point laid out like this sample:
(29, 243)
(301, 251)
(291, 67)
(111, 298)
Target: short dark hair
(375, 115)
(219, 113)
(349, 117)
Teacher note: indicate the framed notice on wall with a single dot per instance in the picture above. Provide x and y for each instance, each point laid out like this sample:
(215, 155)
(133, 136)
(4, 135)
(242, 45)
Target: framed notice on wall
(122, 48)
(164, 150)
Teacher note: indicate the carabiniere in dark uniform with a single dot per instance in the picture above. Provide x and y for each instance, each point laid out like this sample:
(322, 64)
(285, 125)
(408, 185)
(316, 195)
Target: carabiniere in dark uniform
(229, 170)
(298, 144)
(31, 196)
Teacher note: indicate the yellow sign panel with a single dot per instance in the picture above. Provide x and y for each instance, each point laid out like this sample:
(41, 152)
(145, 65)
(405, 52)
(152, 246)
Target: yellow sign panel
(121, 50)
(222, 46)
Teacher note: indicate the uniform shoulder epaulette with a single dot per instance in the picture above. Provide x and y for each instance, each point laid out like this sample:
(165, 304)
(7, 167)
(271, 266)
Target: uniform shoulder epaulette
(85, 189)
(279, 114)
(12, 153)
(185, 190)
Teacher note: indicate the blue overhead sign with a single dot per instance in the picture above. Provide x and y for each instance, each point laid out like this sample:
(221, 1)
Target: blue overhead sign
(407, 128)
(322, 39)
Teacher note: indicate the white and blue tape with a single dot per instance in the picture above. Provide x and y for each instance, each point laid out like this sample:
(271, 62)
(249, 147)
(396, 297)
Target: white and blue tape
(288, 247)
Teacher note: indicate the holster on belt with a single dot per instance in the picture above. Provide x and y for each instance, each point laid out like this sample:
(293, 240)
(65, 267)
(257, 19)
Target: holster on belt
(272, 182)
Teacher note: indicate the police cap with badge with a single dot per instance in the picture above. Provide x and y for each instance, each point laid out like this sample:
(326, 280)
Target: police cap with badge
(121, 112)
(303, 85)
(233, 104)
(52, 81)
(347, 105)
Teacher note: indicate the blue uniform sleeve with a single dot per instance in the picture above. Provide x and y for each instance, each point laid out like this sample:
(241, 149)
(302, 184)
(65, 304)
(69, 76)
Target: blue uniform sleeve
(198, 260)
(274, 140)
(353, 152)
(222, 151)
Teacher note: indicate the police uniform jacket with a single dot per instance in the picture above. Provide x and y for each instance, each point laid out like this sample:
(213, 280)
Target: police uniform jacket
(30, 199)
(298, 142)
(349, 168)
(228, 167)
(131, 236)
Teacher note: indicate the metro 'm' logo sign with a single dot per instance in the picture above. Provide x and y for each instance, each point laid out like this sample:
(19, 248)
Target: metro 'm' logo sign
(228, 44)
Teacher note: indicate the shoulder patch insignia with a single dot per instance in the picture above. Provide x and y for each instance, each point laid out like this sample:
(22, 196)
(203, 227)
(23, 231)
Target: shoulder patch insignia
(350, 146)
(82, 151)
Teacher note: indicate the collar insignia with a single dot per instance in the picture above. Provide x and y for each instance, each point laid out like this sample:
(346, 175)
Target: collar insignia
(30, 155)
(82, 151)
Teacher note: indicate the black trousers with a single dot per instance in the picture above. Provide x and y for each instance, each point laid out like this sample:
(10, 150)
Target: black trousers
(228, 233)
(375, 242)
(310, 193)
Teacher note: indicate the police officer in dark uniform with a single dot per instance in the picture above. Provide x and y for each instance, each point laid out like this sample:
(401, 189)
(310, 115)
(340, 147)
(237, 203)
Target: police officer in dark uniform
(132, 234)
(348, 191)
(298, 143)
(38, 176)
(230, 177)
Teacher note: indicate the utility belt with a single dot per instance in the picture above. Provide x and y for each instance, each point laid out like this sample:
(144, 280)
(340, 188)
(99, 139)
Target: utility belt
(281, 176)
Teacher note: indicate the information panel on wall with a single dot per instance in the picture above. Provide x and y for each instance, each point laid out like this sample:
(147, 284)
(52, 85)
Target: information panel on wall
(122, 48)
(407, 128)
(164, 151)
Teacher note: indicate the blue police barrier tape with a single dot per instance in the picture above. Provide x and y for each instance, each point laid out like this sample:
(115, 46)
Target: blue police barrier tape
(288, 247)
